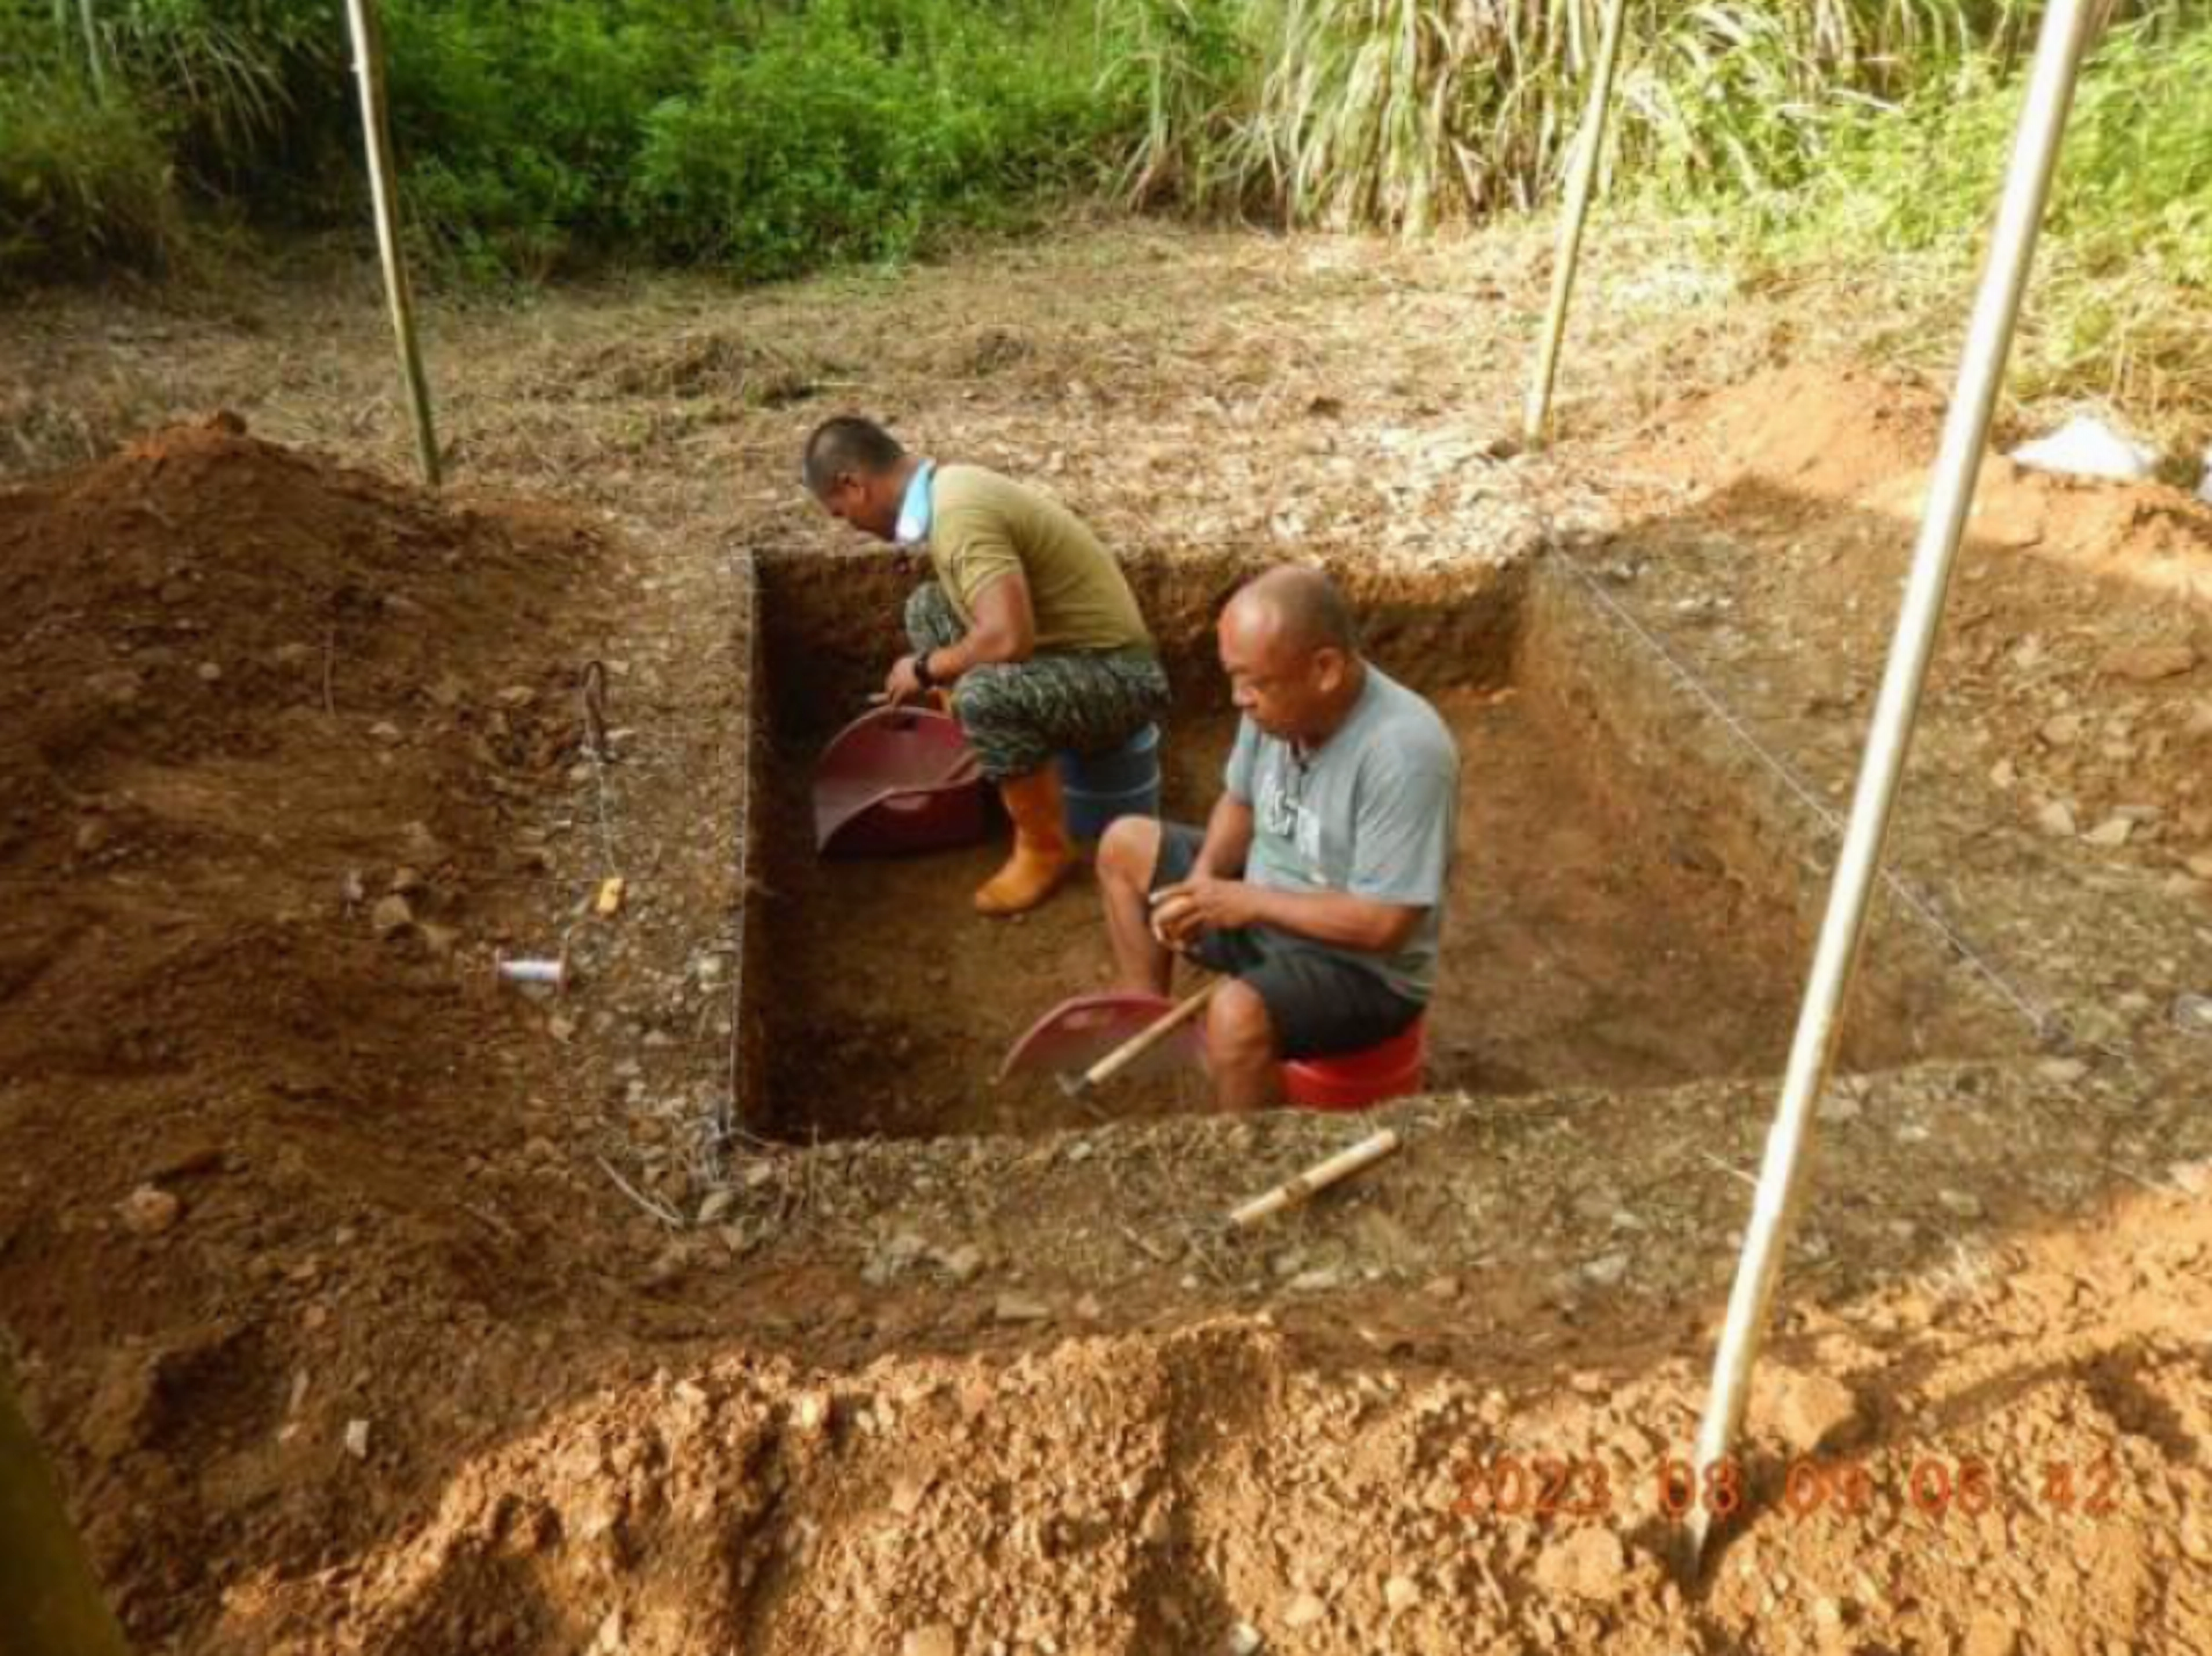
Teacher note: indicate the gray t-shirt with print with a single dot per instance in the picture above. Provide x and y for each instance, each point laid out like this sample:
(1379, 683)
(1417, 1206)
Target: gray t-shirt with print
(1374, 812)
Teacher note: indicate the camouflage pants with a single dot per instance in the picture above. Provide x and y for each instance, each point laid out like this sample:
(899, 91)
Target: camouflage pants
(1018, 714)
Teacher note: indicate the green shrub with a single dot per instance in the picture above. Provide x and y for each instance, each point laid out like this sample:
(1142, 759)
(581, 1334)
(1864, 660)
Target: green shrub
(84, 185)
(232, 82)
(2121, 299)
(856, 133)
(765, 136)
(515, 127)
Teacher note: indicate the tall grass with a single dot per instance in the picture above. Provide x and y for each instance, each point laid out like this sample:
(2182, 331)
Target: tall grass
(1398, 114)
(1863, 138)
(2121, 306)
(767, 137)
(85, 183)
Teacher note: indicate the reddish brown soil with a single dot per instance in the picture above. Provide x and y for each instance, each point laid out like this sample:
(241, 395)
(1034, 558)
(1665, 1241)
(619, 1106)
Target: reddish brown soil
(248, 695)
(2078, 642)
(1022, 1395)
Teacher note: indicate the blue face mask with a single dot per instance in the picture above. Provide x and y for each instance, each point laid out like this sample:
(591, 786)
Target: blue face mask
(914, 511)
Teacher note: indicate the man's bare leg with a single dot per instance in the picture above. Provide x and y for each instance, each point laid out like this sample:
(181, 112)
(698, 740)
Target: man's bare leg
(1239, 1050)
(1127, 857)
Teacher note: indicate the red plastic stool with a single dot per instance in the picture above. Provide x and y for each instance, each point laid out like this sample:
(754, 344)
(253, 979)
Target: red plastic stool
(1359, 1080)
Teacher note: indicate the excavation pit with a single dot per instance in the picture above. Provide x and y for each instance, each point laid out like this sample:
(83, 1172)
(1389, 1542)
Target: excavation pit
(1628, 909)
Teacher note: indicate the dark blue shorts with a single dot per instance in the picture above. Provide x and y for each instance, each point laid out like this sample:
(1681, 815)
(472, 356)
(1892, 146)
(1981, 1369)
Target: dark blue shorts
(1321, 1001)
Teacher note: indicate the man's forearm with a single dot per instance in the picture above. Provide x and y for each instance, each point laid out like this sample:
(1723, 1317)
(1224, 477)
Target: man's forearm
(1338, 917)
(976, 650)
(1002, 629)
(1228, 839)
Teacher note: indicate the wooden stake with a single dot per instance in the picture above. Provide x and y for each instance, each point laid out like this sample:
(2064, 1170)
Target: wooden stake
(1292, 1192)
(1538, 409)
(383, 185)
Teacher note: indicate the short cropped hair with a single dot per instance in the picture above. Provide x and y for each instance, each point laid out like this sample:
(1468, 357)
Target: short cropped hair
(1308, 607)
(848, 444)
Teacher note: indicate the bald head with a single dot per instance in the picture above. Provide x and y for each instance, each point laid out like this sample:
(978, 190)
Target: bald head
(1295, 608)
(1292, 652)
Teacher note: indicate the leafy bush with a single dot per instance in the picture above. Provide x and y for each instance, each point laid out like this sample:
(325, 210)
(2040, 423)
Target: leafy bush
(232, 83)
(516, 128)
(765, 137)
(854, 134)
(83, 184)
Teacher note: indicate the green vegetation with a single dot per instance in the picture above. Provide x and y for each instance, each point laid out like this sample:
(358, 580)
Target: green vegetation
(535, 135)
(768, 136)
(2123, 303)
(82, 181)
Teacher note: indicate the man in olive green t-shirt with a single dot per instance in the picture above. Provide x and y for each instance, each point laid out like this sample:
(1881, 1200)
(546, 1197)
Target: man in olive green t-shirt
(1029, 628)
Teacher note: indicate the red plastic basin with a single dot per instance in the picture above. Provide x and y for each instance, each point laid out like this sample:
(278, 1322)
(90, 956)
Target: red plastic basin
(1358, 1080)
(897, 781)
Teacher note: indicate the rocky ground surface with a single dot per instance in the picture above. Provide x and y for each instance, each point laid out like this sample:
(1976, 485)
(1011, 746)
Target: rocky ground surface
(369, 1307)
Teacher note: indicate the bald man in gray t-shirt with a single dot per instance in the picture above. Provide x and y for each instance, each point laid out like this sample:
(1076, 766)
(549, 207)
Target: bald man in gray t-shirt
(1373, 811)
(1318, 884)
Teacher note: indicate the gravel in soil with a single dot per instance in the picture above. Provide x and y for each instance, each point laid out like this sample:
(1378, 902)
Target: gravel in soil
(311, 1265)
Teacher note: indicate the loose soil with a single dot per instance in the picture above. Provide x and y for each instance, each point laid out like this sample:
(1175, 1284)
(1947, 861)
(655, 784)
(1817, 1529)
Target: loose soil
(482, 1322)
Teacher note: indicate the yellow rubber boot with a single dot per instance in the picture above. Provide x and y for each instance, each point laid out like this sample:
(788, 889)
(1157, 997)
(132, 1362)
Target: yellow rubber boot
(1044, 855)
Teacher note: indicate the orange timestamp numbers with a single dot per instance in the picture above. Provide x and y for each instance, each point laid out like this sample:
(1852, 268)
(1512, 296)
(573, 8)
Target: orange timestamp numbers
(1549, 1487)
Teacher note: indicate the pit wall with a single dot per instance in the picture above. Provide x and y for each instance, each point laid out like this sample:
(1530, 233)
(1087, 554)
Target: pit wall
(825, 626)
(828, 625)
(748, 1051)
(1728, 813)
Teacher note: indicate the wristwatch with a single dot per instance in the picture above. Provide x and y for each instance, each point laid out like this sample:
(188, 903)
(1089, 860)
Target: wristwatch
(921, 669)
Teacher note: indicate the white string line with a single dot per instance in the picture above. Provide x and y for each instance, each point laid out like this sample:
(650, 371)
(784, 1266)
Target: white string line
(2046, 1024)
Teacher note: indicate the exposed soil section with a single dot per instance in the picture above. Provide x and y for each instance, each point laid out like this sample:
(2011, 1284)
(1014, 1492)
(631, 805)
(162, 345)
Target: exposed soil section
(1137, 1495)
(1590, 904)
(263, 728)
(1798, 496)
(405, 1368)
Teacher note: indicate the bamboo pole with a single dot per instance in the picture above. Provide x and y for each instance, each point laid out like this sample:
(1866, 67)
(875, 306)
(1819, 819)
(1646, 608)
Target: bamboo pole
(383, 183)
(1537, 410)
(1145, 1039)
(1303, 1186)
(50, 1601)
(2066, 28)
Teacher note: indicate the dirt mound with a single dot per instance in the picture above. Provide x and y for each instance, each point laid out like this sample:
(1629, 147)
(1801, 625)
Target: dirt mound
(168, 602)
(261, 721)
(1832, 429)
(1930, 1461)
(1790, 445)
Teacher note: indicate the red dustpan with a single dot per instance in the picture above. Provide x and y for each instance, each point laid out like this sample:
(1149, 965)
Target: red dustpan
(896, 780)
(1075, 1034)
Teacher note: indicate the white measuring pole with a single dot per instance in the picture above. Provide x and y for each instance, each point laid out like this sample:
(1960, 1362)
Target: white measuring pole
(2066, 27)
(1537, 410)
(383, 187)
